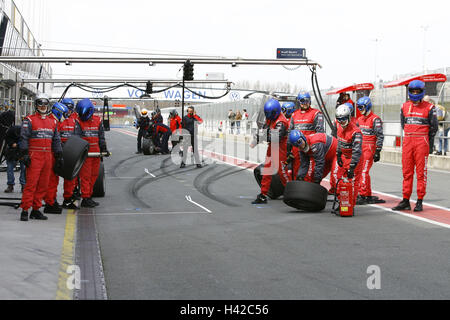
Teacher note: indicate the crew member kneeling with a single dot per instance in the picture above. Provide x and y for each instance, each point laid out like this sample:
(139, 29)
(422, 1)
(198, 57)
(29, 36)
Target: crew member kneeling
(317, 156)
(349, 149)
(39, 138)
(276, 123)
(92, 131)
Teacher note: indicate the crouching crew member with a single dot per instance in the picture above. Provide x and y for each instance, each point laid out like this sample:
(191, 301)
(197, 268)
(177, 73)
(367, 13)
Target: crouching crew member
(143, 124)
(60, 112)
(92, 131)
(419, 122)
(317, 156)
(39, 138)
(276, 123)
(160, 134)
(306, 119)
(349, 149)
(372, 132)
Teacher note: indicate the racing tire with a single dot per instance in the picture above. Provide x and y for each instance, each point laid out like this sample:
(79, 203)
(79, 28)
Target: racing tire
(75, 152)
(148, 147)
(276, 187)
(306, 196)
(100, 184)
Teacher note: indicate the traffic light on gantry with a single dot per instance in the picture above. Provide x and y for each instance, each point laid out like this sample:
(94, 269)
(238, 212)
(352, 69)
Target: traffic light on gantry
(188, 71)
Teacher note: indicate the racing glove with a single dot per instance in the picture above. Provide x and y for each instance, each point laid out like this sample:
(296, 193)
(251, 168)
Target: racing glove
(25, 158)
(376, 156)
(59, 160)
(105, 150)
(339, 159)
(351, 173)
(290, 157)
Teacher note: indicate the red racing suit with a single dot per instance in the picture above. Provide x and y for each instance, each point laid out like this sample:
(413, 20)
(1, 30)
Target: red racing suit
(320, 159)
(66, 128)
(308, 122)
(175, 124)
(372, 132)
(279, 126)
(350, 151)
(92, 131)
(175, 127)
(39, 137)
(420, 125)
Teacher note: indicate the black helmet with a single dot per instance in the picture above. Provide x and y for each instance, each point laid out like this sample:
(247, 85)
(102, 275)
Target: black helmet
(173, 113)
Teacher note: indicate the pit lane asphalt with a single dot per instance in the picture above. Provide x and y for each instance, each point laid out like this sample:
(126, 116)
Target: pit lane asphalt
(155, 244)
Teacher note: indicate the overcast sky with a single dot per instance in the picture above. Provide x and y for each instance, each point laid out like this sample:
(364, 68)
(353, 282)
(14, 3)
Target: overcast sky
(340, 35)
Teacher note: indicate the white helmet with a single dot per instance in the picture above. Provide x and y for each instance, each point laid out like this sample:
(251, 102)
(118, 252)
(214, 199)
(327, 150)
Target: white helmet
(144, 113)
(343, 114)
(41, 101)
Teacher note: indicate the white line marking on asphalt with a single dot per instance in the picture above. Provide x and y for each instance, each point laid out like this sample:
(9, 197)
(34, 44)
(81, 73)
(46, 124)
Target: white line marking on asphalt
(149, 173)
(142, 213)
(188, 198)
(411, 216)
(399, 165)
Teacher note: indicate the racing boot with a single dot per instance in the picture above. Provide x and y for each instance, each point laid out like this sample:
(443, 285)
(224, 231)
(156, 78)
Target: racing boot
(183, 165)
(9, 189)
(85, 203)
(199, 166)
(94, 202)
(53, 209)
(36, 214)
(260, 199)
(69, 204)
(24, 215)
(374, 199)
(418, 206)
(403, 205)
(76, 195)
(361, 200)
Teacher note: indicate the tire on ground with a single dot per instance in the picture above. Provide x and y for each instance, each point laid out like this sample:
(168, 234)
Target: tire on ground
(100, 184)
(75, 152)
(306, 196)
(276, 187)
(148, 147)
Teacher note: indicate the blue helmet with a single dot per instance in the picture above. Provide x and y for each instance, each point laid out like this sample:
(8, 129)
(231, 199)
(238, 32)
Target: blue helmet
(85, 109)
(68, 103)
(272, 109)
(416, 85)
(352, 109)
(295, 137)
(59, 110)
(288, 109)
(304, 97)
(364, 104)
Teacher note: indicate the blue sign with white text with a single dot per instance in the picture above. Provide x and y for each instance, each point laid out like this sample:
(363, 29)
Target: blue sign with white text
(291, 53)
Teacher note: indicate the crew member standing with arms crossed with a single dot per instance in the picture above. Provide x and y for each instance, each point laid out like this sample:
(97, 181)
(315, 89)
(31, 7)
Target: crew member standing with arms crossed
(39, 138)
(419, 123)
